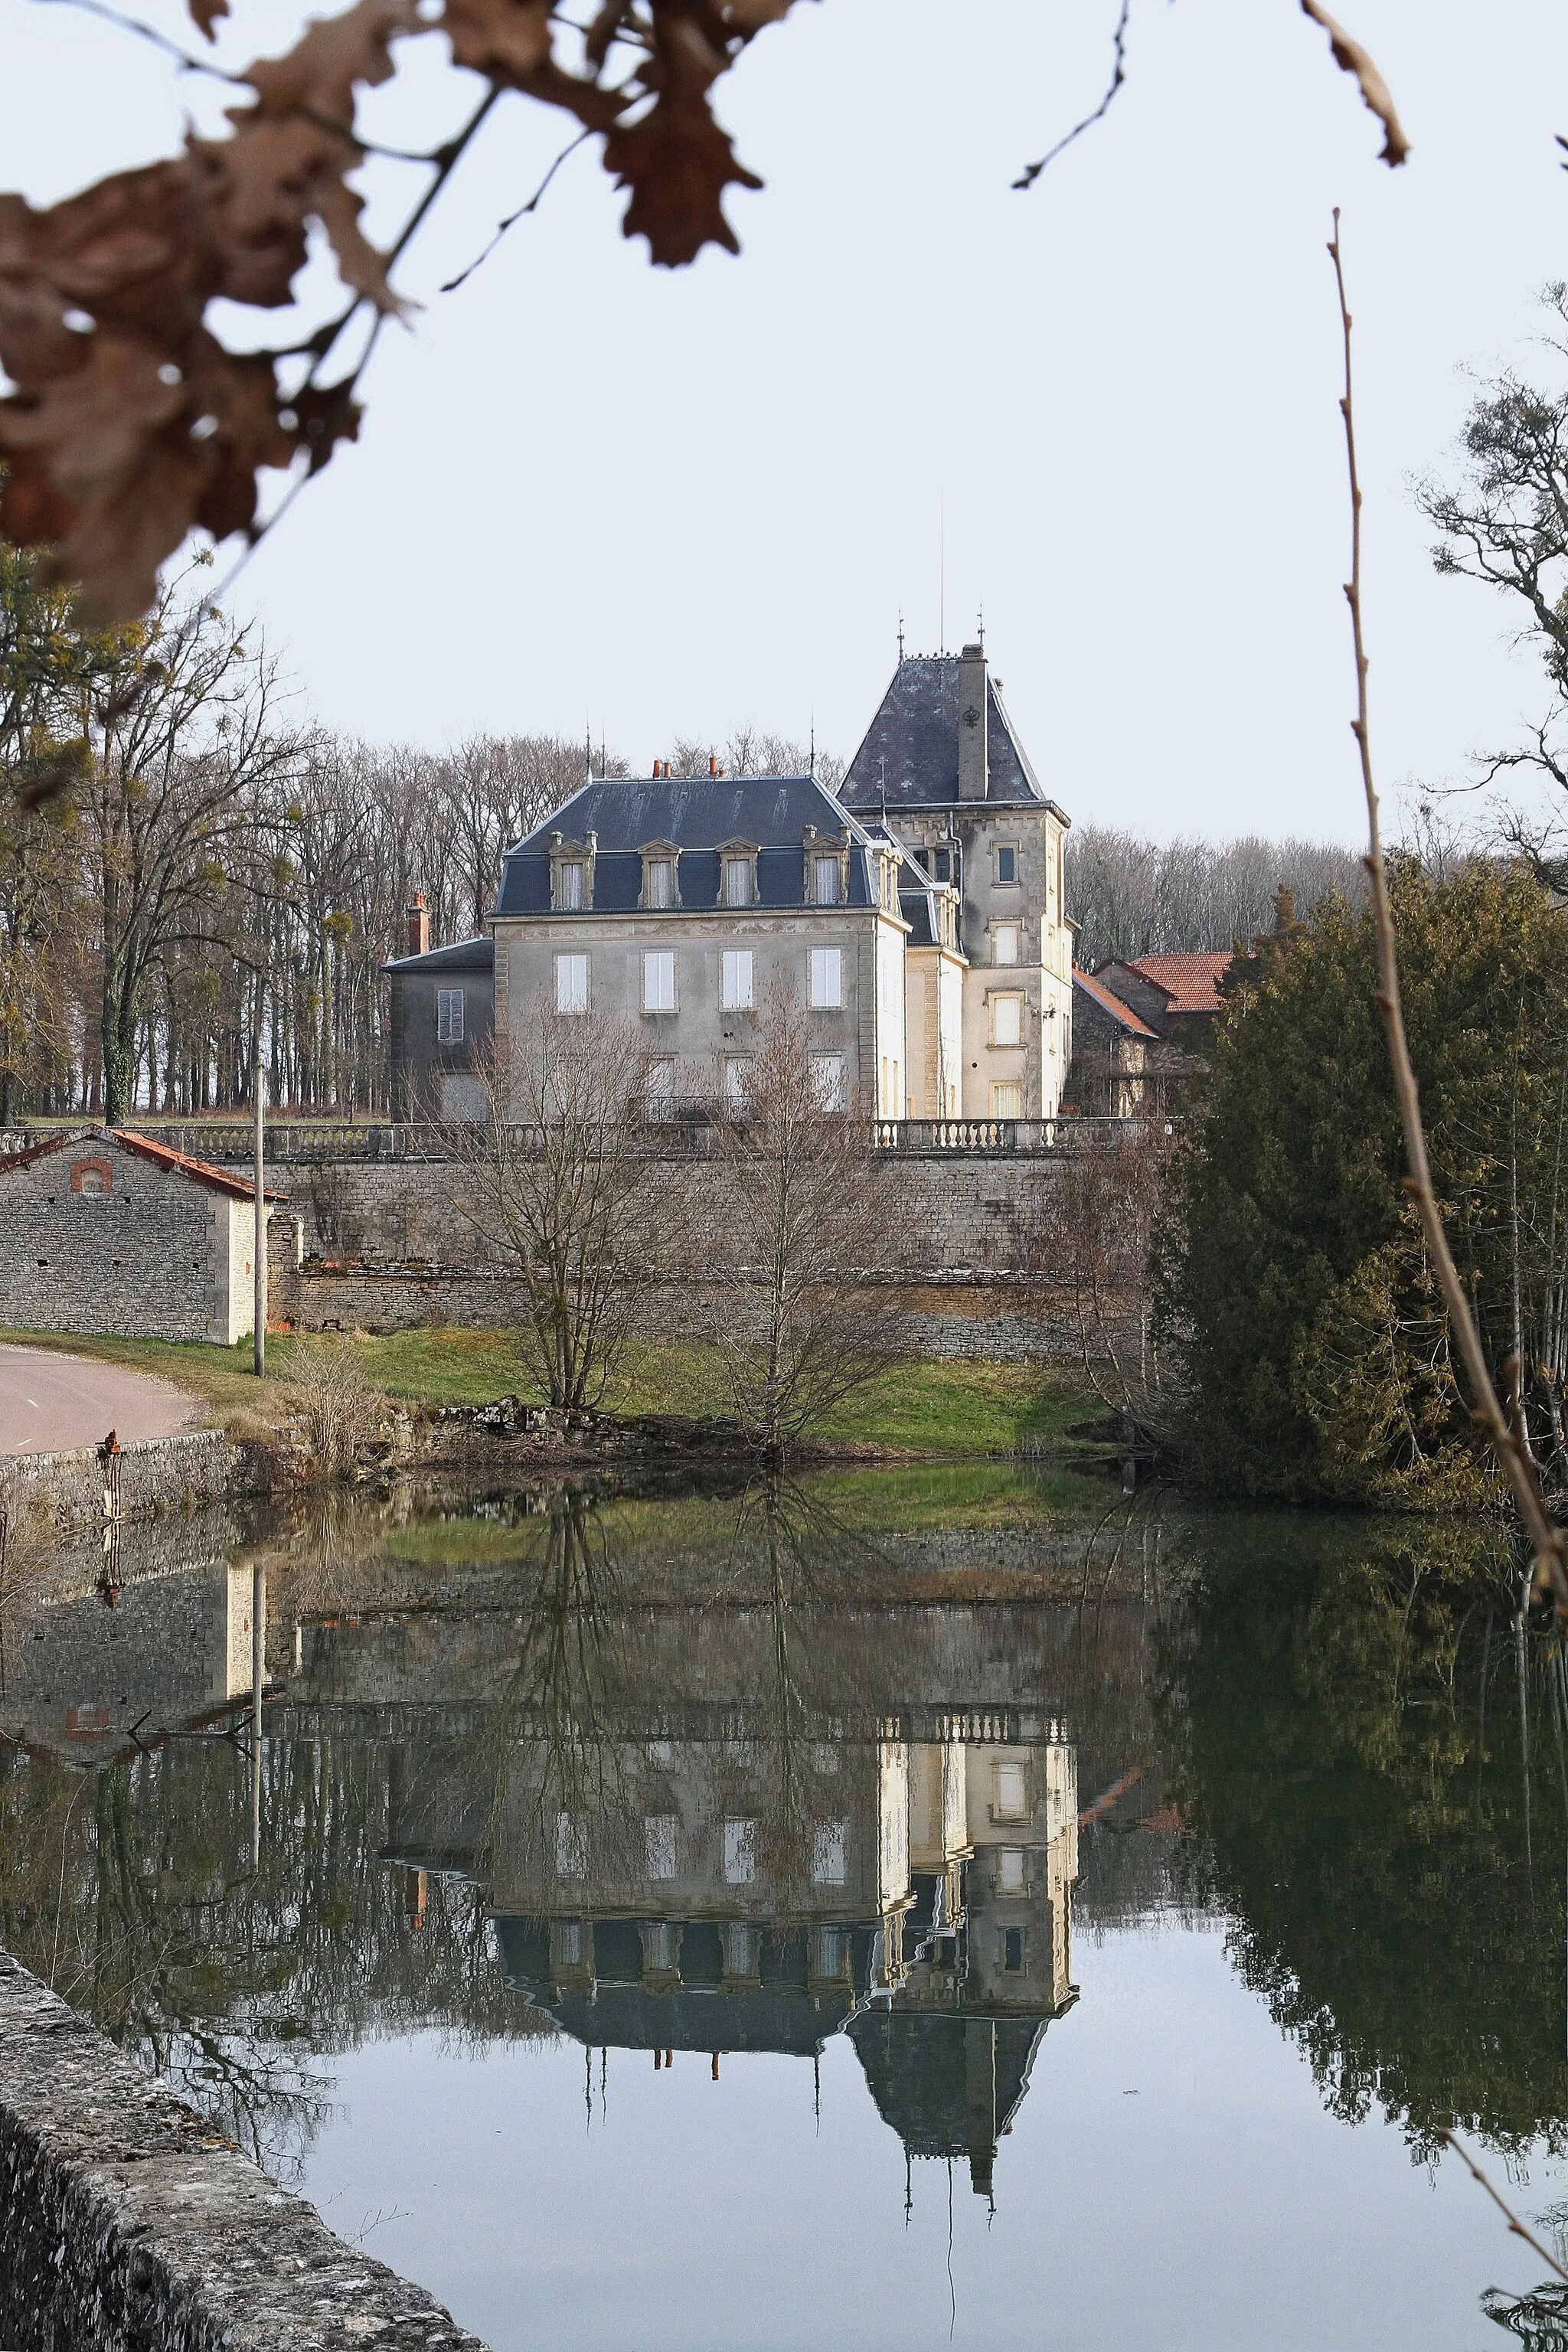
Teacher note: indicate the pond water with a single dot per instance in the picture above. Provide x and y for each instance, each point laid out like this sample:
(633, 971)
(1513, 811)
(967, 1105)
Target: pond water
(893, 1910)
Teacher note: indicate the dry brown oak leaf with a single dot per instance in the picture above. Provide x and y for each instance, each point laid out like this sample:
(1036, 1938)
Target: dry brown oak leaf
(677, 160)
(1353, 58)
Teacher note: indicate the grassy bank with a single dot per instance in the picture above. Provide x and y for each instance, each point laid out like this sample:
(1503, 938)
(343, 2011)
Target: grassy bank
(917, 1407)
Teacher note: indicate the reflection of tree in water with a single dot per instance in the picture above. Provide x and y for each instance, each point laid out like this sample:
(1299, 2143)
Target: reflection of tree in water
(1377, 1756)
(129, 1890)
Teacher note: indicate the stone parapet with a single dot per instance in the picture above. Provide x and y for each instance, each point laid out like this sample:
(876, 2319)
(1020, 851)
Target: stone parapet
(153, 1477)
(128, 2224)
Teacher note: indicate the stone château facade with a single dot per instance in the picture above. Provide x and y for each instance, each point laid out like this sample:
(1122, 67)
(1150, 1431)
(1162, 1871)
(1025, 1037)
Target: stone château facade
(915, 920)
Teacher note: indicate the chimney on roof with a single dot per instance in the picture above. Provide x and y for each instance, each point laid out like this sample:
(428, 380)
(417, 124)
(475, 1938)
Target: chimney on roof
(418, 926)
(974, 756)
(712, 764)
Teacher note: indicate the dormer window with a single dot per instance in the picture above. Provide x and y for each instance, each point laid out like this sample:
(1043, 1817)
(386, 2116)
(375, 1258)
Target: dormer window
(825, 878)
(660, 887)
(572, 873)
(737, 874)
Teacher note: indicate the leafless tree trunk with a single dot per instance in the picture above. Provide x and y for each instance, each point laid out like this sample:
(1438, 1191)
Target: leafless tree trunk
(561, 1185)
(1088, 1237)
(803, 1210)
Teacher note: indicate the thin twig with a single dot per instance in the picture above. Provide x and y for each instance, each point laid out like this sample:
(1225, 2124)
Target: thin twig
(447, 159)
(1514, 2223)
(1031, 172)
(511, 219)
(1545, 1539)
(150, 33)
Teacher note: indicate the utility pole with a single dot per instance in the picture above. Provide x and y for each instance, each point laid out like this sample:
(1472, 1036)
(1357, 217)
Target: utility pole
(259, 1247)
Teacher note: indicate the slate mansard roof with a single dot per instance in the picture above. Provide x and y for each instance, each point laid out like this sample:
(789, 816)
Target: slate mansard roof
(463, 955)
(695, 815)
(910, 749)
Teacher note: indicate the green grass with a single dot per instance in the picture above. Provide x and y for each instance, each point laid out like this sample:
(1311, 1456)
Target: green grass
(955, 1407)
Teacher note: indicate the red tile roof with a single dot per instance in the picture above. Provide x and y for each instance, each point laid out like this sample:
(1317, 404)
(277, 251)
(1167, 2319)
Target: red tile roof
(1109, 1004)
(1191, 981)
(163, 1155)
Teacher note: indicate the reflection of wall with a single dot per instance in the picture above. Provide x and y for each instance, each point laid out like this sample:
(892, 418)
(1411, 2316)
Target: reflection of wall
(77, 1674)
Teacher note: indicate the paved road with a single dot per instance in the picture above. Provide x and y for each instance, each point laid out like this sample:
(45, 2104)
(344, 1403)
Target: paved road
(53, 1403)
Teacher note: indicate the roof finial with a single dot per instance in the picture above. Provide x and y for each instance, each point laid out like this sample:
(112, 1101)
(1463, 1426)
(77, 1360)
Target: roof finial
(942, 573)
(983, 620)
(900, 635)
(813, 741)
(587, 750)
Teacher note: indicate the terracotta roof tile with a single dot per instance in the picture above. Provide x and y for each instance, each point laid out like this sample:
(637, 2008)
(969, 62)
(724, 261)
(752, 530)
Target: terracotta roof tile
(1191, 981)
(1110, 1004)
(219, 1180)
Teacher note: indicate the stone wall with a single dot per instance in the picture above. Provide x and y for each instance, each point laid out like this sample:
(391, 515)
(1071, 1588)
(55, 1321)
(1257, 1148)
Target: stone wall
(127, 2224)
(147, 1252)
(957, 1211)
(157, 1477)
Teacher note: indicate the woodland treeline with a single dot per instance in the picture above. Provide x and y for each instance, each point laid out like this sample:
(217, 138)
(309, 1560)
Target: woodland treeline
(1133, 897)
(185, 860)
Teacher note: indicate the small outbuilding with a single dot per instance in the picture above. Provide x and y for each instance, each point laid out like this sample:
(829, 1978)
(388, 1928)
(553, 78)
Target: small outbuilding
(101, 1230)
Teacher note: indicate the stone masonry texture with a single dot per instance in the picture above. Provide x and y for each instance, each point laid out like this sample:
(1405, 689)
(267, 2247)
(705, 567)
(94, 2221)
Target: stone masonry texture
(127, 2224)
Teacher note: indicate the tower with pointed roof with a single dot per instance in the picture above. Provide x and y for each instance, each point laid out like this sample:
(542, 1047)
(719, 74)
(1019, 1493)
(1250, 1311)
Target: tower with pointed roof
(942, 764)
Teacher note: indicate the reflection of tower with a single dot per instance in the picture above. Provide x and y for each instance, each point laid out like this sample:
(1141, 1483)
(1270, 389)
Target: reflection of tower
(994, 1847)
(724, 1893)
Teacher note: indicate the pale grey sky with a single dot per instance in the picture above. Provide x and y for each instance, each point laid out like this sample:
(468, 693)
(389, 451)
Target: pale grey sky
(671, 502)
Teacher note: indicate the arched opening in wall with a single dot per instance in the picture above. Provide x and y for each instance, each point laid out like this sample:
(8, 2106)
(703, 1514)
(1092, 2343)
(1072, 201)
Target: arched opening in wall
(94, 1178)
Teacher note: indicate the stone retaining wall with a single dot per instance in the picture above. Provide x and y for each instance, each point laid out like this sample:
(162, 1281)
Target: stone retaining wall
(157, 1476)
(127, 2224)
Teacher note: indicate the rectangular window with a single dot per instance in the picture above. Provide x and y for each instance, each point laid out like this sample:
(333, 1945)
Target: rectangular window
(737, 881)
(941, 865)
(1004, 942)
(1010, 1804)
(1010, 1870)
(1006, 1019)
(659, 1089)
(825, 881)
(569, 886)
(658, 1838)
(737, 987)
(659, 980)
(827, 1853)
(658, 883)
(571, 1846)
(1007, 862)
(1012, 1950)
(827, 979)
(448, 1016)
(740, 1853)
(571, 984)
(737, 1082)
(1008, 1102)
(828, 1077)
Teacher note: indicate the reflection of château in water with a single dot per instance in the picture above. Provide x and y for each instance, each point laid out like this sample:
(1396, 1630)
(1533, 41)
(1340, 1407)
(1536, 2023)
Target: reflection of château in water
(913, 1893)
(883, 1845)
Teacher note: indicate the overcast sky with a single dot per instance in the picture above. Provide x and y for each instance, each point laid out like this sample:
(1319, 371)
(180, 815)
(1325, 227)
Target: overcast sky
(590, 491)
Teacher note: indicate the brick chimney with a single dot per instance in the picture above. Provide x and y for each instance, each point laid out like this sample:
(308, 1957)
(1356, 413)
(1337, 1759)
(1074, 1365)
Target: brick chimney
(418, 926)
(974, 756)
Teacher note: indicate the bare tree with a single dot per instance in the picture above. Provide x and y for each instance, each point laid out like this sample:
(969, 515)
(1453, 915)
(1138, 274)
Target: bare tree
(1088, 1234)
(804, 1211)
(181, 733)
(751, 751)
(1133, 897)
(560, 1184)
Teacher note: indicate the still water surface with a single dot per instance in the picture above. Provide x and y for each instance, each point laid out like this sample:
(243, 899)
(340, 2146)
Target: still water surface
(901, 1910)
